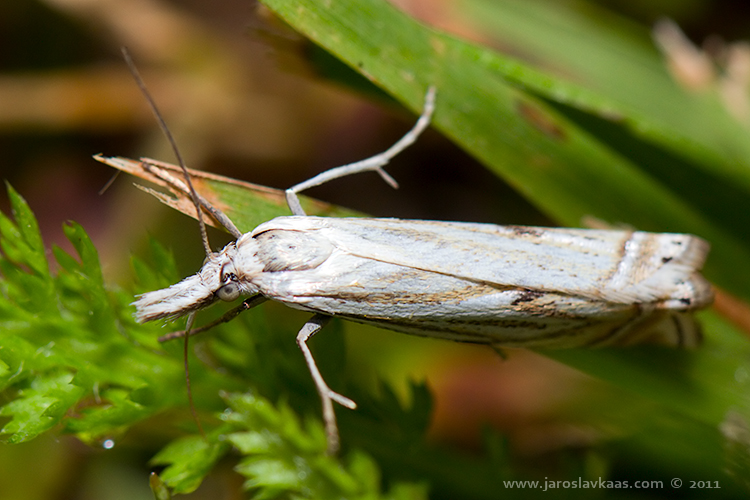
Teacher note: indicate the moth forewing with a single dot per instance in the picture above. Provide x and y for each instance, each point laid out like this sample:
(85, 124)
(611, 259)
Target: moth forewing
(613, 266)
(494, 284)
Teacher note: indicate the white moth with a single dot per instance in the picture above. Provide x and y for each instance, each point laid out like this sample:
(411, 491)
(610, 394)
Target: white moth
(508, 286)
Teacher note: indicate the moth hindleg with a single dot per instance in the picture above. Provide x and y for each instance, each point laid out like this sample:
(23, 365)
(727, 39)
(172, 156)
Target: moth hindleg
(327, 396)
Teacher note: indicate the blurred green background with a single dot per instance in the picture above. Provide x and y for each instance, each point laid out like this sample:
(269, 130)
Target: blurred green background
(247, 97)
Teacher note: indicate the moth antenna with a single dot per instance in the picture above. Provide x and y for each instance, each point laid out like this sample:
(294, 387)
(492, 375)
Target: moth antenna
(204, 234)
(163, 125)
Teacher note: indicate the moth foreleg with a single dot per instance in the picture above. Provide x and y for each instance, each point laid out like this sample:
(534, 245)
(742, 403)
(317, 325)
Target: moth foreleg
(179, 185)
(327, 396)
(248, 303)
(374, 163)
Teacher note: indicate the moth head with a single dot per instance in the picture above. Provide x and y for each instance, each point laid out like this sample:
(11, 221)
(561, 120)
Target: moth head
(218, 279)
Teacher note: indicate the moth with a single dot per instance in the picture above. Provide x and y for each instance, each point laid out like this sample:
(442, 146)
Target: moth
(505, 286)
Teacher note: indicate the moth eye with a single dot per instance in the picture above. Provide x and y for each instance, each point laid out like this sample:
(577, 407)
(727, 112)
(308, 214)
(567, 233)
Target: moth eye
(228, 292)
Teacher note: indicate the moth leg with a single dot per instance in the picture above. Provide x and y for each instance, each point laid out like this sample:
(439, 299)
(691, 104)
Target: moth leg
(327, 396)
(375, 163)
(179, 185)
(248, 303)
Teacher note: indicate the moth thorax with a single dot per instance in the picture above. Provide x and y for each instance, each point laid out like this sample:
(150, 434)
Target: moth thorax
(284, 250)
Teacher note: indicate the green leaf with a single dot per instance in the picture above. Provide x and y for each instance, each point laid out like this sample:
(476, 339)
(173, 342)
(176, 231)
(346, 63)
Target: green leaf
(160, 490)
(189, 459)
(69, 358)
(39, 407)
(30, 237)
(282, 457)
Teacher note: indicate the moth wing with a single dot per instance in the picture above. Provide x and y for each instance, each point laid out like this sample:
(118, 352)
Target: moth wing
(615, 266)
(440, 305)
